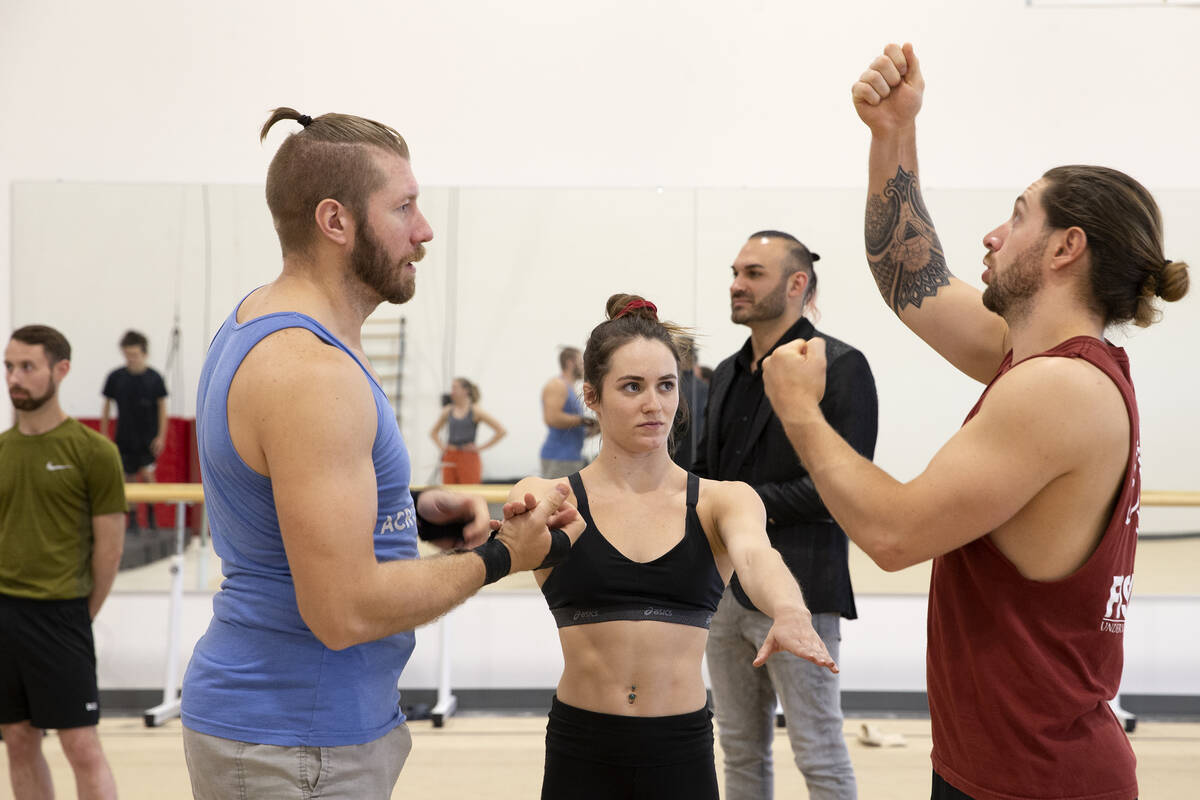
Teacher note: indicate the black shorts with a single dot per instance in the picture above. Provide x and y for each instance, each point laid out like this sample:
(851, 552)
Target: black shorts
(136, 458)
(592, 756)
(47, 663)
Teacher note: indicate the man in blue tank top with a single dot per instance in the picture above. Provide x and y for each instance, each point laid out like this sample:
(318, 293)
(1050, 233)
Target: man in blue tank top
(562, 452)
(306, 480)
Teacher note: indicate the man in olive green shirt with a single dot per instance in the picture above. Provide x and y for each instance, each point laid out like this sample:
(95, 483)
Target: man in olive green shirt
(62, 528)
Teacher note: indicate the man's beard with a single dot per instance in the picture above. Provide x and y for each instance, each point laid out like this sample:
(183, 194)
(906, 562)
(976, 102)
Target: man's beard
(771, 306)
(388, 279)
(1010, 292)
(30, 403)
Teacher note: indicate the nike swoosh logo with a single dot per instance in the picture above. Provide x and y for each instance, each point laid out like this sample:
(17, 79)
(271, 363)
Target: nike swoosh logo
(55, 467)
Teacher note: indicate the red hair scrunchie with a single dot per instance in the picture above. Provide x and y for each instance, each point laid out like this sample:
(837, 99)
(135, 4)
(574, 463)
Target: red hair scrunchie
(633, 304)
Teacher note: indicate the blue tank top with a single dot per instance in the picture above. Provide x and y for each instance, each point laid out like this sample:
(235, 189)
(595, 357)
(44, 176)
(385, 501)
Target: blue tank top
(566, 444)
(598, 584)
(259, 674)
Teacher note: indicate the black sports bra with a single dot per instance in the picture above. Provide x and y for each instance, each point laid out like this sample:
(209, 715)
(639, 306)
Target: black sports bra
(598, 584)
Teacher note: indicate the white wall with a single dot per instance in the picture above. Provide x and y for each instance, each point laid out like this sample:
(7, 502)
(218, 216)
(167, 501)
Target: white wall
(542, 93)
(675, 93)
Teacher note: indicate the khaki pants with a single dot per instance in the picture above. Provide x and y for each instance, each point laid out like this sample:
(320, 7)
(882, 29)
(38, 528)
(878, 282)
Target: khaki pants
(223, 769)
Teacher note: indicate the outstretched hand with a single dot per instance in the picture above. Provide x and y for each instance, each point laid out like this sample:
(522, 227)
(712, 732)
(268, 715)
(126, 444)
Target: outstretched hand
(795, 635)
(888, 95)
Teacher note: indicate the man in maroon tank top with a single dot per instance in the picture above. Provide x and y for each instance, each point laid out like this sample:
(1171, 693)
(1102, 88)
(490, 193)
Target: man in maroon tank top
(1030, 511)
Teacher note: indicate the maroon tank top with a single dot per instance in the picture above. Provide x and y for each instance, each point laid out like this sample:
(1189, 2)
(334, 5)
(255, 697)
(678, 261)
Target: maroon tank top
(1019, 672)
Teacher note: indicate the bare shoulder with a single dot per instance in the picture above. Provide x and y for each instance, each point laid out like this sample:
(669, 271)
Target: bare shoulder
(292, 381)
(1067, 380)
(295, 359)
(718, 498)
(1060, 401)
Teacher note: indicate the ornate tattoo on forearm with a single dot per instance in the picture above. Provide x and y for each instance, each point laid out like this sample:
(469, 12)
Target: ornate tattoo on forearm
(903, 250)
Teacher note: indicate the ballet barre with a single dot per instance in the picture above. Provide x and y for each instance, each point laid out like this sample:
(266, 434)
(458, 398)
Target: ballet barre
(1150, 498)
(181, 494)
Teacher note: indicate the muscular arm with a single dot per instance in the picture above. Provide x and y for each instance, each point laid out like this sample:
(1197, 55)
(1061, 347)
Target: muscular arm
(1027, 434)
(325, 495)
(108, 542)
(903, 249)
(902, 246)
(554, 397)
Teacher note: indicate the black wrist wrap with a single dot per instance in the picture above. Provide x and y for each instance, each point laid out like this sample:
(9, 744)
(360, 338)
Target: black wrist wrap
(560, 548)
(428, 531)
(497, 562)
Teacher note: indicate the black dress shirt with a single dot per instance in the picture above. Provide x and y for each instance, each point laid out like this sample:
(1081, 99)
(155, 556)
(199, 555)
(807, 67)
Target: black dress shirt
(744, 440)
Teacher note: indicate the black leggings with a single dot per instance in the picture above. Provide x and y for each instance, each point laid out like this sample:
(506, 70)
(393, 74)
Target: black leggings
(592, 756)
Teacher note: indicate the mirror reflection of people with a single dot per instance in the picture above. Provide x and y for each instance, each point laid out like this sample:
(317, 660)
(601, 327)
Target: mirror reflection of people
(634, 598)
(462, 416)
(563, 413)
(140, 396)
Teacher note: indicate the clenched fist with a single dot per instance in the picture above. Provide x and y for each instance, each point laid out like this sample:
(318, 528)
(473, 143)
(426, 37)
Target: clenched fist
(888, 95)
(794, 378)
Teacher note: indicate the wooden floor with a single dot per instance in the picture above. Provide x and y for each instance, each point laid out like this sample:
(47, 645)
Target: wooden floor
(500, 758)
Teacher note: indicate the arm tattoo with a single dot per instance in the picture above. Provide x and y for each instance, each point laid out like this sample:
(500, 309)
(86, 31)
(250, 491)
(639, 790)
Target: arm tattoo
(903, 250)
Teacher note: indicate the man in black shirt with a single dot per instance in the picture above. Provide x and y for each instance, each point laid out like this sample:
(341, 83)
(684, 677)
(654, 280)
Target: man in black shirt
(773, 286)
(141, 398)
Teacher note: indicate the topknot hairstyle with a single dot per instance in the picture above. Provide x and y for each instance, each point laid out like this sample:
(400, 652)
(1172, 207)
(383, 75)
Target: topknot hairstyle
(332, 156)
(629, 317)
(1124, 239)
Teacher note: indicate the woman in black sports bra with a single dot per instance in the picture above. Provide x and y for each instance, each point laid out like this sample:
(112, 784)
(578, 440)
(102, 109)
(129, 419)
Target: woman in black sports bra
(633, 600)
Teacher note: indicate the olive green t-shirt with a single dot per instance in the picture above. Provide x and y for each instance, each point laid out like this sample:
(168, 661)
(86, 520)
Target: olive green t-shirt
(51, 485)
